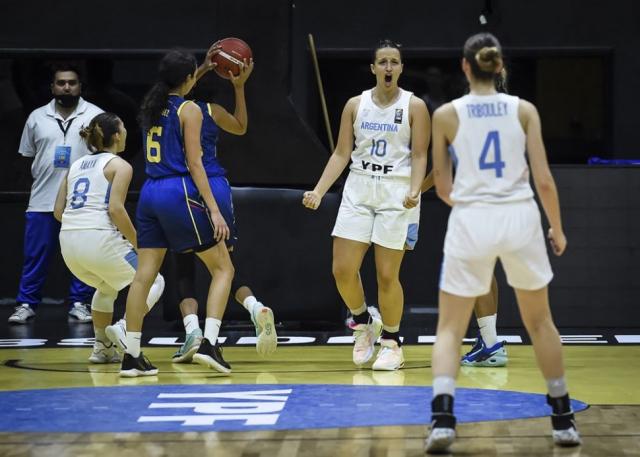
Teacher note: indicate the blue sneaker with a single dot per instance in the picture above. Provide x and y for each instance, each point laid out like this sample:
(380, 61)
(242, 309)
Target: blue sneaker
(189, 348)
(482, 356)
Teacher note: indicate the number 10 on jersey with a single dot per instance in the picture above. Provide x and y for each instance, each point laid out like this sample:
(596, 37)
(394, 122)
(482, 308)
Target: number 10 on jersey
(492, 142)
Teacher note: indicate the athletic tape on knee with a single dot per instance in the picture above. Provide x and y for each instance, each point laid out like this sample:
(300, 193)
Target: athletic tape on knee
(103, 301)
(155, 292)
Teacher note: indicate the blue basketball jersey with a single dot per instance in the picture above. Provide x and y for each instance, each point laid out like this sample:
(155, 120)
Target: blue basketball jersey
(209, 141)
(163, 143)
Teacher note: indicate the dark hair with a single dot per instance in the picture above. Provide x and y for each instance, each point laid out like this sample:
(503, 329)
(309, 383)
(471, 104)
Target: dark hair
(173, 69)
(484, 54)
(57, 67)
(386, 43)
(99, 134)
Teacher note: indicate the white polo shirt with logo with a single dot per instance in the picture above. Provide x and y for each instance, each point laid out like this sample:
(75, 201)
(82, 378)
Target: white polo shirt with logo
(54, 143)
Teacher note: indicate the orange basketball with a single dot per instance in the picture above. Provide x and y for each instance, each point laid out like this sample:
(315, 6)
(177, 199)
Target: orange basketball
(231, 56)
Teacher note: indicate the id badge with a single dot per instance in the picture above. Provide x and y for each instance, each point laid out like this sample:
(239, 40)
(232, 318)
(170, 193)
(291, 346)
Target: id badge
(62, 158)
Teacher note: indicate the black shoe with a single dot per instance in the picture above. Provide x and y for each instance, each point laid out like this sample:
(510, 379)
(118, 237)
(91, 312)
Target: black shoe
(211, 356)
(133, 367)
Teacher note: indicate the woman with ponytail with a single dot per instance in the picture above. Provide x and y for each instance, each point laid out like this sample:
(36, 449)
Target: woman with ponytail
(177, 209)
(487, 136)
(90, 205)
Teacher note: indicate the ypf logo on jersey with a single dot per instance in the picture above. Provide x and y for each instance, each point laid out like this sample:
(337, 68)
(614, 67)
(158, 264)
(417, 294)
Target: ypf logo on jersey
(398, 117)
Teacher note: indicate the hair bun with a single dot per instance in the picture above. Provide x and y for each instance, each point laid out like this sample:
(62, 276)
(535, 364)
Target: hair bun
(489, 59)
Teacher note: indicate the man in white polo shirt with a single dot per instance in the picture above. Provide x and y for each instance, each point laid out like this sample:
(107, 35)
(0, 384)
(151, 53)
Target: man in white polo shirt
(51, 138)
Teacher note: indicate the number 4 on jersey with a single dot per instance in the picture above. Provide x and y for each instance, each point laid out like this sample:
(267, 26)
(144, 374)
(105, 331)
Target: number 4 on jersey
(493, 139)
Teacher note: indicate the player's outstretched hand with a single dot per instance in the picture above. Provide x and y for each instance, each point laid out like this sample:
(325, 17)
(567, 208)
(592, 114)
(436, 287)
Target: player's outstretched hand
(411, 200)
(558, 242)
(220, 227)
(311, 199)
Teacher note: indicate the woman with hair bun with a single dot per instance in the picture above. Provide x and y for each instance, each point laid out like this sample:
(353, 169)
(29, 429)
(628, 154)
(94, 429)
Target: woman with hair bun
(487, 136)
(90, 205)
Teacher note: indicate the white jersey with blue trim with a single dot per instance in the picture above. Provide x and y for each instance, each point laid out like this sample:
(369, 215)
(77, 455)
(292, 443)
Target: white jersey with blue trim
(382, 137)
(88, 191)
(489, 151)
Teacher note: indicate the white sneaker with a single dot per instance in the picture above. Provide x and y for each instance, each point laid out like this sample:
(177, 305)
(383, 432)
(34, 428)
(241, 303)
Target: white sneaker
(104, 353)
(365, 336)
(22, 314)
(390, 356)
(568, 437)
(117, 334)
(267, 338)
(439, 440)
(80, 312)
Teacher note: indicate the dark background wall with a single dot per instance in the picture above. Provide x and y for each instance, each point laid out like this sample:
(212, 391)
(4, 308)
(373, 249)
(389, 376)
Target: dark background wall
(549, 42)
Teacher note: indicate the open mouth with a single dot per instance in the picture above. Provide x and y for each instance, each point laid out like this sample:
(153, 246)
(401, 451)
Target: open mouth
(388, 78)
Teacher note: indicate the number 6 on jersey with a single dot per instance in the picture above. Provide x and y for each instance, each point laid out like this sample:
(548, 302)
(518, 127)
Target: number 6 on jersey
(493, 139)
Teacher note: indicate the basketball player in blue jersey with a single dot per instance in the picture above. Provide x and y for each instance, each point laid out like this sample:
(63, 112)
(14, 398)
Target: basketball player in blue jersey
(97, 238)
(486, 135)
(380, 203)
(177, 209)
(215, 119)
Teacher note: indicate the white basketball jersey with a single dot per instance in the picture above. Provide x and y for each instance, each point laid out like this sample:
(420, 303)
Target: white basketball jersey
(88, 190)
(489, 151)
(382, 137)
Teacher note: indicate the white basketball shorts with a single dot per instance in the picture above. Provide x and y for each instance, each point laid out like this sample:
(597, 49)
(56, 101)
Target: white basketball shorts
(480, 233)
(99, 257)
(371, 211)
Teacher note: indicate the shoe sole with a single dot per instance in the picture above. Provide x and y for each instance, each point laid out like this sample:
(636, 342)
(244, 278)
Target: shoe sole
(133, 373)
(499, 362)
(114, 337)
(440, 444)
(79, 321)
(19, 322)
(104, 362)
(187, 357)
(268, 338)
(205, 360)
(374, 367)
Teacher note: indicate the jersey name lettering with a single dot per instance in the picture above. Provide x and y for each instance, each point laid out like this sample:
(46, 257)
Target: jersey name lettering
(496, 109)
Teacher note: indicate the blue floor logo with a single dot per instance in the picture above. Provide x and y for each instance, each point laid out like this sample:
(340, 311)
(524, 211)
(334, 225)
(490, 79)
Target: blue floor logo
(178, 408)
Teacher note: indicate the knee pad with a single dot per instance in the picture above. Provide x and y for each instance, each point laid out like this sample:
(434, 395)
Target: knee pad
(102, 301)
(155, 292)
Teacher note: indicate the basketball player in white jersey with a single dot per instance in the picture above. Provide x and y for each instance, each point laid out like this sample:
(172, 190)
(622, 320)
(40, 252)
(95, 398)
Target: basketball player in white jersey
(494, 216)
(380, 203)
(90, 205)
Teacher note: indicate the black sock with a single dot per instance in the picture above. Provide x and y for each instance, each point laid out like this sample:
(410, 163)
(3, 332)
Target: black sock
(362, 318)
(395, 336)
(442, 412)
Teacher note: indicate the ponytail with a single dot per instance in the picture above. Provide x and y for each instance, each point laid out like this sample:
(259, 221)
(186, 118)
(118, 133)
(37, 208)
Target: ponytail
(99, 134)
(173, 70)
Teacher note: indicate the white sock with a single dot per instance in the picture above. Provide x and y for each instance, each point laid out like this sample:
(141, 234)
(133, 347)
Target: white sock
(488, 330)
(557, 387)
(100, 335)
(249, 303)
(211, 329)
(133, 343)
(444, 385)
(190, 323)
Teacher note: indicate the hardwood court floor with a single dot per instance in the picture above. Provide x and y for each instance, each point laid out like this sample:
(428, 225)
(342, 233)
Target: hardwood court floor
(604, 377)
